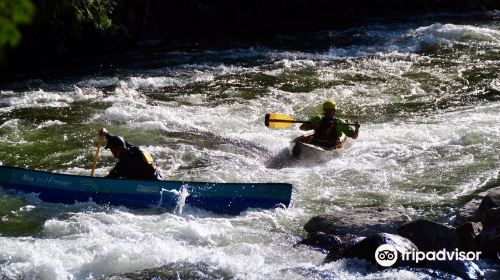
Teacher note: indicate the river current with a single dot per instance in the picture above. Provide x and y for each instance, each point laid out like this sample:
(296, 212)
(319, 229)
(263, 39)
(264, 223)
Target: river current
(426, 91)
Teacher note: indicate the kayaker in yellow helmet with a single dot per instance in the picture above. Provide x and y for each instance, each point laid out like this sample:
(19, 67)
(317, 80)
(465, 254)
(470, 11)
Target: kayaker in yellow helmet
(328, 129)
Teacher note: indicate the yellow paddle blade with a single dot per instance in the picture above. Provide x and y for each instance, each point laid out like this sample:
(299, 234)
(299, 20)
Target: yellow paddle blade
(278, 120)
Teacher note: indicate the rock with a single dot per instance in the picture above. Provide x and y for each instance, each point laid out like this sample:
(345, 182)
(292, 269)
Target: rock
(365, 249)
(361, 222)
(493, 273)
(467, 235)
(347, 241)
(469, 212)
(322, 241)
(491, 200)
(489, 244)
(466, 270)
(330, 242)
(491, 220)
(429, 235)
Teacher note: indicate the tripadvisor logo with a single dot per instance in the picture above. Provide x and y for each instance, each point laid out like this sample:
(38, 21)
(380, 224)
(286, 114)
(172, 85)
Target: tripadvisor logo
(386, 255)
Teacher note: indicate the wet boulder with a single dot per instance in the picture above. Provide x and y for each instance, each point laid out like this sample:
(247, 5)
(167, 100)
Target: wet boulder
(489, 239)
(467, 236)
(429, 235)
(491, 200)
(321, 241)
(465, 269)
(491, 219)
(365, 249)
(361, 221)
(470, 211)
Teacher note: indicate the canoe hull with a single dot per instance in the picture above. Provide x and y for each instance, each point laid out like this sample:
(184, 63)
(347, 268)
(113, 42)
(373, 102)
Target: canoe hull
(304, 150)
(221, 198)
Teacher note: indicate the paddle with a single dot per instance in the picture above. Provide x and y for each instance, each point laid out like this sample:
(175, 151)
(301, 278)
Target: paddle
(98, 148)
(273, 120)
(280, 120)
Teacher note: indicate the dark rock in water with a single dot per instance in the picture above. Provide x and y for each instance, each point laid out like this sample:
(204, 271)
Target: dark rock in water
(469, 212)
(491, 220)
(489, 244)
(361, 222)
(491, 200)
(322, 241)
(466, 270)
(365, 249)
(489, 239)
(493, 272)
(330, 243)
(180, 270)
(347, 241)
(429, 235)
(467, 236)
(487, 211)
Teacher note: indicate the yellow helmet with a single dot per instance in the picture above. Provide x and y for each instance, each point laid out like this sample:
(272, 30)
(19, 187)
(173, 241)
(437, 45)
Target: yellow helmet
(329, 105)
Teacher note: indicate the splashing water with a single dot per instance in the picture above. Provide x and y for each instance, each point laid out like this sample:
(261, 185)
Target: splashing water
(181, 201)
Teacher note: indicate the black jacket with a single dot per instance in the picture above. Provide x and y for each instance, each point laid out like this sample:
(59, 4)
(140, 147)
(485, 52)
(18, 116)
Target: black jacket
(134, 163)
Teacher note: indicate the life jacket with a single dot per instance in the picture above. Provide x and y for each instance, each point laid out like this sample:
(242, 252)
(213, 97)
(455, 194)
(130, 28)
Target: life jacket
(135, 163)
(144, 155)
(326, 131)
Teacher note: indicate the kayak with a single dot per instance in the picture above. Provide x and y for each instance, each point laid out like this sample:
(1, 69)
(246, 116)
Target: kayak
(220, 198)
(304, 149)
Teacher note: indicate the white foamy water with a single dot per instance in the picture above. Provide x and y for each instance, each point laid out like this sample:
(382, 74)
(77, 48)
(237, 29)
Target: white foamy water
(430, 135)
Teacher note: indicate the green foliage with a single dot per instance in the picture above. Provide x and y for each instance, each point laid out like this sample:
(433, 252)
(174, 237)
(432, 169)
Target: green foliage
(12, 14)
(72, 20)
(55, 21)
(94, 12)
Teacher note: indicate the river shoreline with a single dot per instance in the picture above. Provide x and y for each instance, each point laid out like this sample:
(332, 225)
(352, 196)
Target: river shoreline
(38, 59)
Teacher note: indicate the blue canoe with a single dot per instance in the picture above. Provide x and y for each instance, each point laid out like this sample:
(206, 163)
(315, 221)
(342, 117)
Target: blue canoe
(221, 198)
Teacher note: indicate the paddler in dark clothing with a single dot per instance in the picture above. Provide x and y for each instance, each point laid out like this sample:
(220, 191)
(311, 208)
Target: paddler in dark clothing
(328, 129)
(133, 162)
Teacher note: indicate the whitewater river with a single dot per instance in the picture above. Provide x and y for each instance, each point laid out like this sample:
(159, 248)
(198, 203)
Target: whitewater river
(427, 93)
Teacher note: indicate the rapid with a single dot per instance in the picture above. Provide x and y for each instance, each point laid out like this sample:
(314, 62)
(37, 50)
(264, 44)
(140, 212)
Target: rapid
(426, 91)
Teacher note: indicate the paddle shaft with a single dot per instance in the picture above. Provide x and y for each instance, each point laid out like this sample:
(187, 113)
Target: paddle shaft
(98, 149)
(294, 121)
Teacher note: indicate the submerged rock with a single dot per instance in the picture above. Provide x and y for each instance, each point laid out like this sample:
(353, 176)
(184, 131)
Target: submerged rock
(322, 241)
(365, 249)
(179, 270)
(429, 235)
(491, 200)
(470, 211)
(330, 243)
(361, 222)
(466, 270)
(467, 235)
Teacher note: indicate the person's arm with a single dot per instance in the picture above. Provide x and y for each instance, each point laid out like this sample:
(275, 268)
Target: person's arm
(306, 126)
(355, 134)
(312, 124)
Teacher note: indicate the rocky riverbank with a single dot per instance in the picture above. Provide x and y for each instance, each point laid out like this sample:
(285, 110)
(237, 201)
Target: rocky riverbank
(357, 233)
(72, 34)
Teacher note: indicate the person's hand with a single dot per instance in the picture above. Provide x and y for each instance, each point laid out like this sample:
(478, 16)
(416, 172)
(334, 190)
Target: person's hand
(357, 125)
(103, 132)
